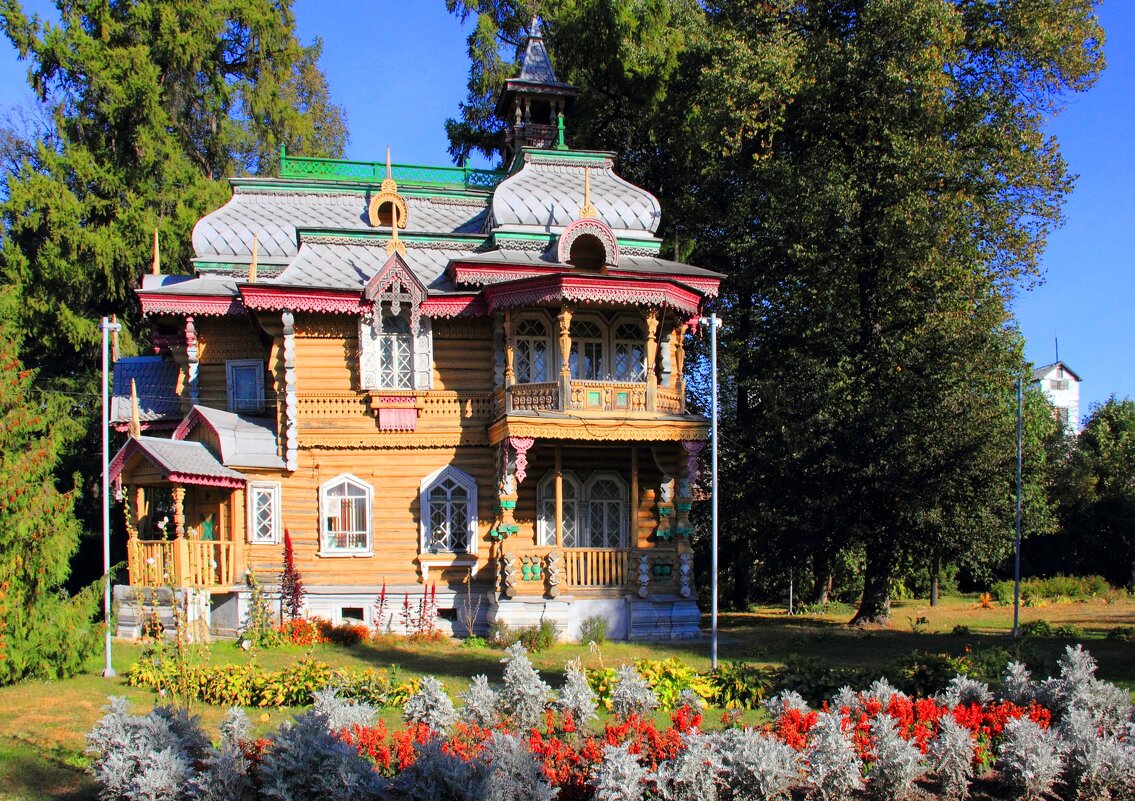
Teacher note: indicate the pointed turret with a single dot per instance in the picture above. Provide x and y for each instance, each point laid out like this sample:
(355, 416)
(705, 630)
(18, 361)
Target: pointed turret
(532, 103)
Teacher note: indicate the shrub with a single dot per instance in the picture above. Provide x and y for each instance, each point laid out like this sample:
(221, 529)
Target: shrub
(481, 703)
(507, 771)
(533, 638)
(619, 777)
(963, 691)
(1097, 766)
(897, 763)
(757, 767)
(302, 631)
(474, 641)
(593, 629)
(739, 685)
(1037, 628)
(951, 759)
(693, 774)
(1122, 633)
(834, 767)
(341, 713)
(346, 634)
(668, 678)
(305, 762)
(524, 695)
(1055, 588)
(1030, 759)
(631, 694)
(576, 697)
(814, 681)
(430, 706)
(922, 673)
(961, 630)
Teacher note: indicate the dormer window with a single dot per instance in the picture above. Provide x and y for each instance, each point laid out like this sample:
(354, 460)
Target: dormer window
(587, 253)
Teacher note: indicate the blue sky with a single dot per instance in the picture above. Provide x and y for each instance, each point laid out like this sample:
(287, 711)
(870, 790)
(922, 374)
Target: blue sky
(399, 70)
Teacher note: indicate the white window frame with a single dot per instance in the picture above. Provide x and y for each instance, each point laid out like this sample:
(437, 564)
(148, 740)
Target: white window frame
(604, 342)
(624, 512)
(615, 341)
(545, 493)
(470, 484)
(275, 489)
(549, 341)
(371, 367)
(368, 549)
(231, 366)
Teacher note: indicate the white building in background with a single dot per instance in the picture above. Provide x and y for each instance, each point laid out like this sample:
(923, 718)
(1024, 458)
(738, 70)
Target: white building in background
(1061, 386)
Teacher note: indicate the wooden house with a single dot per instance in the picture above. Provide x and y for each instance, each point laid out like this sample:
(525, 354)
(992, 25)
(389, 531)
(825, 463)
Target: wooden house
(435, 379)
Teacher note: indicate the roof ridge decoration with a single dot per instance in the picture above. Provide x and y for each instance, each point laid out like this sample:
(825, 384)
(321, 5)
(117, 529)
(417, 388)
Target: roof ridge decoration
(252, 263)
(388, 208)
(588, 242)
(156, 263)
(395, 284)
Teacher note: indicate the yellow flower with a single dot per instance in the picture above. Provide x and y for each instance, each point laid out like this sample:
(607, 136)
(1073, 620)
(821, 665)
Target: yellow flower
(264, 717)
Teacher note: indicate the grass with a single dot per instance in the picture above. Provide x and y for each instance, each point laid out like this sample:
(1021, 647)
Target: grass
(43, 724)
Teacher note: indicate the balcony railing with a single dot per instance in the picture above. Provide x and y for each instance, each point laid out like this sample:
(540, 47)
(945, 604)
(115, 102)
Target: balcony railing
(375, 171)
(609, 396)
(182, 563)
(540, 397)
(595, 567)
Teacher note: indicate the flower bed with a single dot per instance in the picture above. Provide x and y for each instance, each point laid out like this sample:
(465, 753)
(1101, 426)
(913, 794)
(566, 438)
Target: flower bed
(1071, 735)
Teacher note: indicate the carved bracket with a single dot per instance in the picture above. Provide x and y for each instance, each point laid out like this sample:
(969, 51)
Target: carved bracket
(693, 447)
(291, 427)
(520, 446)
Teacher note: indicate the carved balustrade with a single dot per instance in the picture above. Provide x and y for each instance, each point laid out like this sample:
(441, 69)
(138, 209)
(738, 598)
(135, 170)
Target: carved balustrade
(591, 568)
(211, 564)
(609, 396)
(668, 400)
(150, 562)
(436, 404)
(182, 562)
(541, 397)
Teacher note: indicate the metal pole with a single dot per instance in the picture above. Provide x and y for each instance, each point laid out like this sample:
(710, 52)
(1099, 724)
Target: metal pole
(1017, 559)
(713, 323)
(106, 327)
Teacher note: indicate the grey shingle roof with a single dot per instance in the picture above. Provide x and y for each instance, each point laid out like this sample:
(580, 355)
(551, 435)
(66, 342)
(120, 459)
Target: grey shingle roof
(547, 194)
(209, 286)
(274, 217)
(245, 441)
(188, 458)
(1041, 372)
(156, 380)
(537, 66)
(339, 266)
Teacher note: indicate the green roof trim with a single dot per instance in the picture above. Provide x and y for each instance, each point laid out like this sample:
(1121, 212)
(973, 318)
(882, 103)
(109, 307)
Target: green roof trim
(459, 241)
(549, 239)
(373, 172)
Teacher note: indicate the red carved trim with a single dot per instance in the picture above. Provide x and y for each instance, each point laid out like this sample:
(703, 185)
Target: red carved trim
(204, 305)
(588, 289)
(118, 463)
(480, 275)
(206, 481)
(276, 298)
(156, 425)
(454, 306)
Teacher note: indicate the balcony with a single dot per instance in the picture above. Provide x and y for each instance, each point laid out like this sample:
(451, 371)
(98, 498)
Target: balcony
(594, 396)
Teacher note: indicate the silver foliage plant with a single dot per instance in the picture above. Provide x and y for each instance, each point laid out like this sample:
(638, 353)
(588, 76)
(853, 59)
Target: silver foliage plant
(898, 763)
(784, 702)
(507, 771)
(620, 776)
(306, 762)
(577, 699)
(481, 702)
(1078, 688)
(341, 713)
(694, 774)
(224, 777)
(524, 695)
(1030, 759)
(963, 691)
(756, 766)
(430, 705)
(235, 728)
(1017, 684)
(435, 774)
(834, 769)
(145, 757)
(951, 759)
(1099, 766)
(631, 694)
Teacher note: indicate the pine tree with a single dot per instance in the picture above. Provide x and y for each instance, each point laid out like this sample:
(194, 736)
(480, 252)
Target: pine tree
(292, 590)
(43, 632)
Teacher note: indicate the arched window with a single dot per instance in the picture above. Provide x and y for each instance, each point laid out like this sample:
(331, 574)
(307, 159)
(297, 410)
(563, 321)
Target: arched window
(606, 511)
(630, 351)
(395, 353)
(546, 498)
(587, 359)
(532, 352)
(345, 514)
(449, 512)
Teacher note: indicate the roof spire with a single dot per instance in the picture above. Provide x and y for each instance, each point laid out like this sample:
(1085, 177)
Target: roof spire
(156, 264)
(252, 264)
(588, 210)
(388, 184)
(135, 416)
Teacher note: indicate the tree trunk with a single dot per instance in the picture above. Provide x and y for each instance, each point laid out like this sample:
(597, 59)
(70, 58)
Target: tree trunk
(935, 574)
(821, 579)
(875, 606)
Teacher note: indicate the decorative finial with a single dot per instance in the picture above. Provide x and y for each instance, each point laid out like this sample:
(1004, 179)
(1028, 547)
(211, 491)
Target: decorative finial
(114, 338)
(252, 264)
(135, 415)
(156, 265)
(588, 210)
(388, 184)
(395, 245)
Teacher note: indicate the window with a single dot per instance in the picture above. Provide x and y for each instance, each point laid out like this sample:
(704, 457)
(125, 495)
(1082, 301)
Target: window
(546, 497)
(395, 353)
(345, 510)
(630, 352)
(531, 354)
(449, 512)
(606, 515)
(245, 380)
(587, 362)
(263, 513)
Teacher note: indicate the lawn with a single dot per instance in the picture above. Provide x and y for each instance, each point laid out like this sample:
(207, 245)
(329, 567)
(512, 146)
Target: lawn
(42, 724)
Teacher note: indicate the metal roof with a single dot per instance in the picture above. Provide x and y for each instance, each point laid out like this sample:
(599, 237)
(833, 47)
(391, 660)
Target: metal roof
(184, 461)
(1041, 372)
(547, 258)
(245, 441)
(350, 266)
(156, 381)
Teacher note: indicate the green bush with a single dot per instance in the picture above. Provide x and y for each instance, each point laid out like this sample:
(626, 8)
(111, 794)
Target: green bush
(1069, 631)
(1055, 588)
(817, 682)
(474, 642)
(740, 685)
(1122, 633)
(670, 677)
(533, 638)
(924, 674)
(837, 608)
(1038, 628)
(962, 631)
(593, 629)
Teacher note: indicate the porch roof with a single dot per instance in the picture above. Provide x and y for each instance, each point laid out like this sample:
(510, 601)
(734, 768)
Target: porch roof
(178, 462)
(244, 441)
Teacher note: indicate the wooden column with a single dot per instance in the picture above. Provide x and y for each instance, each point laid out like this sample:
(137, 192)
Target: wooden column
(651, 357)
(559, 497)
(680, 369)
(180, 543)
(564, 320)
(237, 532)
(632, 538)
(509, 376)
